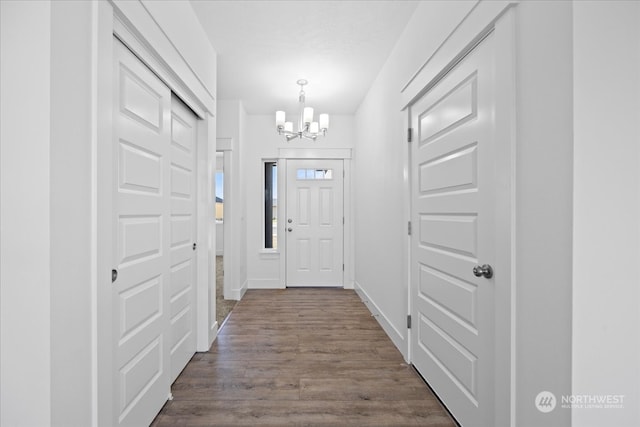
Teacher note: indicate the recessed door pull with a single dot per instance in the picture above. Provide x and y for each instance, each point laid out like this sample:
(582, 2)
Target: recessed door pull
(483, 270)
(114, 275)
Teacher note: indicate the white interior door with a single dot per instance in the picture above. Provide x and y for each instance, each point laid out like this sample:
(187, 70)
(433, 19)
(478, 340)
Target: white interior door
(453, 210)
(182, 289)
(315, 223)
(141, 207)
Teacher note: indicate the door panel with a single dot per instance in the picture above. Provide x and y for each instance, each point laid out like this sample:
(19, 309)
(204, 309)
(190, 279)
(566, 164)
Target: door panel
(453, 168)
(141, 209)
(183, 234)
(315, 218)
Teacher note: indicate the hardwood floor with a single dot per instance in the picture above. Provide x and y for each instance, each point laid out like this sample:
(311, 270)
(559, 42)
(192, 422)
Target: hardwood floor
(301, 357)
(223, 306)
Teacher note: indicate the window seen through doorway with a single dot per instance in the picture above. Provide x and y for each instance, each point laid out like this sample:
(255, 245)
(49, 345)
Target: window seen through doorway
(219, 196)
(270, 205)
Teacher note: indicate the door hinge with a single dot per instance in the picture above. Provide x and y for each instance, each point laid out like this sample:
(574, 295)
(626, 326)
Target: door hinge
(408, 321)
(409, 228)
(409, 134)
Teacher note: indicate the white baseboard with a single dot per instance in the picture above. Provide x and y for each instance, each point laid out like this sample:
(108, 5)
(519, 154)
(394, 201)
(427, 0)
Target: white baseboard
(238, 293)
(398, 339)
(265, 284)
(213, 334)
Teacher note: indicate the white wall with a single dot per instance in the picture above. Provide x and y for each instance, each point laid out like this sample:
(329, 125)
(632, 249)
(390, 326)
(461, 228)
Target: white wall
(606, 252)
(380, 158)
(543, 183)
(231, 122)
(25, 294)
(71, 86)
(262, 143)
(173, 16)
(49, 119)
(544, 175)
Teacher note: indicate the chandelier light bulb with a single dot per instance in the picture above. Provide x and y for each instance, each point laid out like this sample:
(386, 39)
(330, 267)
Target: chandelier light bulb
(324, 121)
(280, 118)
(308, 115)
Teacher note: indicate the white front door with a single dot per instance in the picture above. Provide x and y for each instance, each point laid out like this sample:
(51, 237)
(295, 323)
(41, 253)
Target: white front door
(453, 211)
(314, 223)
(182, 289)
(141, 208)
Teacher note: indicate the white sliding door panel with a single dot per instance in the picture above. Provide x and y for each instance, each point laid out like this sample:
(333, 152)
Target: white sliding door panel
(315, 223)
(453, 211)
(182, 292)
(142, 136)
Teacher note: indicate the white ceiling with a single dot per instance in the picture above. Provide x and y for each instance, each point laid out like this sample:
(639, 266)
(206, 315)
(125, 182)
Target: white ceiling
(265, 46)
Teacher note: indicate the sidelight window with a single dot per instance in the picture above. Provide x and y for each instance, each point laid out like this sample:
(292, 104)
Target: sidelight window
(270, 205)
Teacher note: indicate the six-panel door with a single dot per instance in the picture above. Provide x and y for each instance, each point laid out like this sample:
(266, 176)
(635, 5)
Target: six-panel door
(182, 289)
(142, 138)
(452, 164)
(314, 223)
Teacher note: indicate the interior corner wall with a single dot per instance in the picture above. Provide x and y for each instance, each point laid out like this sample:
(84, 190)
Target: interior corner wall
(48, 98)
(544, 165)
(263, 142)
(380, 169)
(25, 152)
(231, 121)
(173, 17)
(242, 198)
(544, 211)
(606, 294)
(71, 210)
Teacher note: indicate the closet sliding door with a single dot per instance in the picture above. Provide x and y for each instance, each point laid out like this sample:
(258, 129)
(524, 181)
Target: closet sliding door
(154, 229)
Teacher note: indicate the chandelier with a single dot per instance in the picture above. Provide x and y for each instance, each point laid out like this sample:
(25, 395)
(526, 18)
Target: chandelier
(307, 128)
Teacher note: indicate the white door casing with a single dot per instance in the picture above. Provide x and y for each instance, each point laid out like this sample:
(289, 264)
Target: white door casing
(141, 208)
(314, 225)
(453, 211)
(182, 289)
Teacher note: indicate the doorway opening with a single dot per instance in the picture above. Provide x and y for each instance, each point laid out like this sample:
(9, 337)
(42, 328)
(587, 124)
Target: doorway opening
(223, 306)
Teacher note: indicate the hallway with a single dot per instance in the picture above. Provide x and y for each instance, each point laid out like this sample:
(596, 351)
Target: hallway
(301, 357)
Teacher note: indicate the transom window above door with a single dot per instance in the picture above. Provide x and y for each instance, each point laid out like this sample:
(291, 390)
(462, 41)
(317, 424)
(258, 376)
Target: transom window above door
(314, 174)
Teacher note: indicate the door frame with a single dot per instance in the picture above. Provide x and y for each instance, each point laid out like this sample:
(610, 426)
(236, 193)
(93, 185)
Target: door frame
(344, 154)
(114, 19)
(225, 146)
(502, 24)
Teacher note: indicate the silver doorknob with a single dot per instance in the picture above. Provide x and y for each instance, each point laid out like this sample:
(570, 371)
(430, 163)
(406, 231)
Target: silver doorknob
(483, 270)
(289, 220)
(289, 229)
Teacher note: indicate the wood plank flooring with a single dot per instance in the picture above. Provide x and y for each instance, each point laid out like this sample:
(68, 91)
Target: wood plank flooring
(301, 357)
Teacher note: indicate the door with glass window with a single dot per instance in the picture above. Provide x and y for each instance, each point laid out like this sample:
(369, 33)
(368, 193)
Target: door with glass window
(314, 223)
